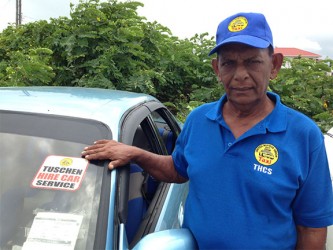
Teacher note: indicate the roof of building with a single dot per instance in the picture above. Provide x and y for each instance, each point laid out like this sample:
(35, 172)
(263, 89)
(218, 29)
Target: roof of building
(294, 52)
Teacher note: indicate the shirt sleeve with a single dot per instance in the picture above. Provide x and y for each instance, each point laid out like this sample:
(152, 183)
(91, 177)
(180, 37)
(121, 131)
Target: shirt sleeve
(178, 154)
(313, 205)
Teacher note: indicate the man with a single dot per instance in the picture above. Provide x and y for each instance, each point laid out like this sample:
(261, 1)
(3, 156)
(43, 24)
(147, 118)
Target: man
(258, 171)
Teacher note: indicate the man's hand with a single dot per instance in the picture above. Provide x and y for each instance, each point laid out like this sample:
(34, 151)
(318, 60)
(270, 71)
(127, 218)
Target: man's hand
(161, 167)
(118, 153)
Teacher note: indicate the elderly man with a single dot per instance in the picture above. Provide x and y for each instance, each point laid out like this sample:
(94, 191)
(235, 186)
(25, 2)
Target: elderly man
(258, 170)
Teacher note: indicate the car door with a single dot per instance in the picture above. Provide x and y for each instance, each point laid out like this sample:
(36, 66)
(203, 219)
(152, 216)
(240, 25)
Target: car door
(142, 206)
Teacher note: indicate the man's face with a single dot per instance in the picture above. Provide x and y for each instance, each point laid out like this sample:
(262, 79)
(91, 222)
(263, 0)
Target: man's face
(245, 72)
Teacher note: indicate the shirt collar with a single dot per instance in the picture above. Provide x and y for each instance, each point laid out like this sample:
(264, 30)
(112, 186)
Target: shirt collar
(276, 121)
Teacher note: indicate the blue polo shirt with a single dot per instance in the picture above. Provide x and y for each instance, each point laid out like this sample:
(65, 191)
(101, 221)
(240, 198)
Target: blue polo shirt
(251, 192)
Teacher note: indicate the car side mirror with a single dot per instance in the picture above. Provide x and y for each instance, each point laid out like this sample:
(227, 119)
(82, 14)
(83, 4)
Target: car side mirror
(168, 240)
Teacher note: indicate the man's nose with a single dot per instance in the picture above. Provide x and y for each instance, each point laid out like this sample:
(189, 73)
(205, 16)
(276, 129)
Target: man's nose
(241, 72)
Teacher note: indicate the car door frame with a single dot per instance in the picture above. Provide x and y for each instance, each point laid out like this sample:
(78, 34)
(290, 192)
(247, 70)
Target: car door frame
(128, 125)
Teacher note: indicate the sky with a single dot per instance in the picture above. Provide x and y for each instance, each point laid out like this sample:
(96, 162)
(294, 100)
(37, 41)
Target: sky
(306, 25)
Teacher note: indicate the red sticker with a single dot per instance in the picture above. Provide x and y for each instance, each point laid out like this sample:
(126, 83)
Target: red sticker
(60, 173)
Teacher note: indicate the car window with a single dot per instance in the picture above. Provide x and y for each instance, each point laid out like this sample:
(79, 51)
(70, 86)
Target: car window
(167, 129)
(156, 133)
(48, 194)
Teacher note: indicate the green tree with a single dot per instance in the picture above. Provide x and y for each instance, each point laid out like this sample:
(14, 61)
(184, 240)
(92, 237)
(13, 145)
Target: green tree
(307, 86)
(30, 69)
(108, 45)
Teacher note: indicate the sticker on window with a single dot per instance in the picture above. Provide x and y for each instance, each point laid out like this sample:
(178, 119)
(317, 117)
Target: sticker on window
(60, 173)
(53, 231)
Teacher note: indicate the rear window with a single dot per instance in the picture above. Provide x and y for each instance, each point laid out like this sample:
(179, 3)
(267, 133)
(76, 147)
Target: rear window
(49, 196)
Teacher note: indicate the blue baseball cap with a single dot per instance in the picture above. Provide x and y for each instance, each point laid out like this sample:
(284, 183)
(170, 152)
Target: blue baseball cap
(247, 28)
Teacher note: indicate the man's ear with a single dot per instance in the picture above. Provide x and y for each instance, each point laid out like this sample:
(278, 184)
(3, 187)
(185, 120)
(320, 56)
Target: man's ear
(277, 63)
(215, 65)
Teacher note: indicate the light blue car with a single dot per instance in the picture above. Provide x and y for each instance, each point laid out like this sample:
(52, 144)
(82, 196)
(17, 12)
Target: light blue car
(51, 198)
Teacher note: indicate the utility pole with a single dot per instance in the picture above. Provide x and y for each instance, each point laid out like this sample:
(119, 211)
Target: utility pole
(18, 13)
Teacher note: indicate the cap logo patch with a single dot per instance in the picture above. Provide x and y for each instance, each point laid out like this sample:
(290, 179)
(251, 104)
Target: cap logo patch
(238, 24)
(266, 154)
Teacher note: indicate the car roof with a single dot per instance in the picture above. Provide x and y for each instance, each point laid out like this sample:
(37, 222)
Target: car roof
(104, 105)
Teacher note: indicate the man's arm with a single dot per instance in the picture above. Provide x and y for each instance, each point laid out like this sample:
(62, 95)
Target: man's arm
(160, 167)
(311, 238)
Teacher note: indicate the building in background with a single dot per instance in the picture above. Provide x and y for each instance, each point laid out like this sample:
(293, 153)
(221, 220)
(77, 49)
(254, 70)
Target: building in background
(294, 52)
(291, 53)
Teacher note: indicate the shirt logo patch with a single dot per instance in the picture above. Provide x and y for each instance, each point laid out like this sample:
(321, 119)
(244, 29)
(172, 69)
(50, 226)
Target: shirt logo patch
(266, 154)
(238, 24)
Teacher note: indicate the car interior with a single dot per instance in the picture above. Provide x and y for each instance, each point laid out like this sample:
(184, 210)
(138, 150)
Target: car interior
(143, 187)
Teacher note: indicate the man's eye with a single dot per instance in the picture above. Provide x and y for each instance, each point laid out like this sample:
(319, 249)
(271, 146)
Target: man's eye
(255, 62)
(227, 63)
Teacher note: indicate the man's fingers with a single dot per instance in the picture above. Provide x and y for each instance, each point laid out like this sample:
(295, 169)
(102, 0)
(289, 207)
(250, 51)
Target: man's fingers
(106, 149)
(114, 164)
(97, 150)
(94, 147)
(92, 154)
(101, 142)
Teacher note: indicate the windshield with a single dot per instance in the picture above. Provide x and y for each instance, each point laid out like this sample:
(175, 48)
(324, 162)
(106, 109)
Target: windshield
(49, 196)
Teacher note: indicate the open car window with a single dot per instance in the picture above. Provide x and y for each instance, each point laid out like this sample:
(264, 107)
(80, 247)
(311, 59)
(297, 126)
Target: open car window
(156, 133)
(49, 196)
